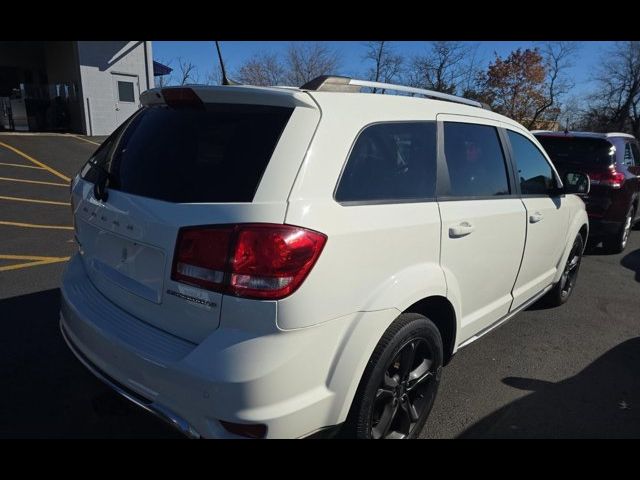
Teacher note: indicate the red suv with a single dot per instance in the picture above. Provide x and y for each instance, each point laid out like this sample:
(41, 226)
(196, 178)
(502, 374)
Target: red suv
(612, 161)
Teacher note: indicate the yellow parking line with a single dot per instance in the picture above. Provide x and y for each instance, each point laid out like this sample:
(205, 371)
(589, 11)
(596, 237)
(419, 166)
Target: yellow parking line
(33, 261)
(31, 225)
(29, 257)
(84, 139)
(37, 162)
(18, 165)
(6, 179)
(33, 200)
(28, 264)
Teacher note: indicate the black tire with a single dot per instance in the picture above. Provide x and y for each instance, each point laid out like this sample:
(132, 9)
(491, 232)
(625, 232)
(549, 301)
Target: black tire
(389, 392)
(618, 242)
(562, 290)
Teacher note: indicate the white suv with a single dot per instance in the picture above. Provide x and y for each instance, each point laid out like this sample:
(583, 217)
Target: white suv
(280, 262)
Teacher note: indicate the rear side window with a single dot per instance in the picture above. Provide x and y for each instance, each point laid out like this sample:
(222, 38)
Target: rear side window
(636, 154)
(475, 160)
(628, 156)
(534, 172)
(217, 153)
(391, 162)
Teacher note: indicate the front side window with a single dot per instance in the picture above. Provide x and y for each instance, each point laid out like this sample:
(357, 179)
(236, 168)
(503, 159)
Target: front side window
(475, 160)
(534, 172)
(391, 162)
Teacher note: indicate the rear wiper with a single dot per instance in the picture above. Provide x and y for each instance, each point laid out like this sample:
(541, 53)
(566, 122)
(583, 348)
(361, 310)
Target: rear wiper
(100, 186)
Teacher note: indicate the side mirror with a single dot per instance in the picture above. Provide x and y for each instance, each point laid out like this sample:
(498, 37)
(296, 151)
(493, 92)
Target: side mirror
(575, 182)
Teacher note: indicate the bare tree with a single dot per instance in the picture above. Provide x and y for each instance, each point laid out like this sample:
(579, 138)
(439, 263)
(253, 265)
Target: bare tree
(616, 104)
(387, 65)
(188, 72)
(262, 69)
(448, 67)
(300, 63)
(214, 77)
(558, 58)
(571, 113)
(304, 62)
(164, 80)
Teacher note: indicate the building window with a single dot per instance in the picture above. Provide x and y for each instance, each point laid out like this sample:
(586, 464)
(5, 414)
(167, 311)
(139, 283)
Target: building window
(125, 92)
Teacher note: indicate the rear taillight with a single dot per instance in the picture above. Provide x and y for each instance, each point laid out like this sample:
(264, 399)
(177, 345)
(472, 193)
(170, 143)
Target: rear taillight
(263, 261)
(611, 178)
(271, 261)
(201, 257)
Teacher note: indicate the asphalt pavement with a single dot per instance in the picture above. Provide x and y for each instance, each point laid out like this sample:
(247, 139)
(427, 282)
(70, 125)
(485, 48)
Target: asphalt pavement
(566, 372)
(47, 393)
(571, 371)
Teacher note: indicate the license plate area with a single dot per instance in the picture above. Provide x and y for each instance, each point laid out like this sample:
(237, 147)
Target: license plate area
(134, 266)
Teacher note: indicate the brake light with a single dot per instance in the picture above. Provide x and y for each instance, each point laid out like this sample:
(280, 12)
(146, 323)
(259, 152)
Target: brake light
(611, 178)
(201, 257)
(263, 261)
(181, 97)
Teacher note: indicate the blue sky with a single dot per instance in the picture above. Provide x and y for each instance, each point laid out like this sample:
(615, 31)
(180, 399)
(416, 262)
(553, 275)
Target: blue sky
(204, 56)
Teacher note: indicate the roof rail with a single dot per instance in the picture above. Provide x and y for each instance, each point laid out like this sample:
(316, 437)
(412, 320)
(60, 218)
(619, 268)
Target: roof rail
(334, 83)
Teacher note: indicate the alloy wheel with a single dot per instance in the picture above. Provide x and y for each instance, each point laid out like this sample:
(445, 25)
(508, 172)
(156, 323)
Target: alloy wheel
(570, 273)
(627, 229)
(404, 393)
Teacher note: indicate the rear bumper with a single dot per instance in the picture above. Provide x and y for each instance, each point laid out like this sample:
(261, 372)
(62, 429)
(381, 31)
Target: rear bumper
(279, 379)
(607, 209)
(599, 228)
(157, 409)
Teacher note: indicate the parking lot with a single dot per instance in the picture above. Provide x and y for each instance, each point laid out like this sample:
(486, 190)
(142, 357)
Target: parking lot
(572, 371)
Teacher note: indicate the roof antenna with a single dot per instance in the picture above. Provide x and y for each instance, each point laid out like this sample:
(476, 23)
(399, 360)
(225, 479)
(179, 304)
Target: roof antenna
(225, 80)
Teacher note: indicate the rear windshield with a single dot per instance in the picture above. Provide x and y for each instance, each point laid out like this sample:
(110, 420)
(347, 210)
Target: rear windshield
(578, 150)
(214, 154)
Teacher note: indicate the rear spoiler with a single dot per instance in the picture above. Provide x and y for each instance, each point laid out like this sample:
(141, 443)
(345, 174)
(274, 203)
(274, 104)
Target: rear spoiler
(274, 96)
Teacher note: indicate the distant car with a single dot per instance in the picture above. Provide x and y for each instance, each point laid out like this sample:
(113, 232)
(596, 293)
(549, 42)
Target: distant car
(612, 161)
(278, 262)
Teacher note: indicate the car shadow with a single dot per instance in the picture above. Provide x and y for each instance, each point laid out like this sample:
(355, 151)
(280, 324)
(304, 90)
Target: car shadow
(601, 401)
(541, 304)
(47, 393)
(632, 262)
(595, 247)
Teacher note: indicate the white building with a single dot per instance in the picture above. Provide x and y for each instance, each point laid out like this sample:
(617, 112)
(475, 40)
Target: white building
(83, 87)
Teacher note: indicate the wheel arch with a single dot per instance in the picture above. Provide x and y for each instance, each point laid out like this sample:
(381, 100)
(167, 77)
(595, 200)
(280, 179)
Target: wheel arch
(578, 226)
(584, 233)
(357, 349)
(440, 311)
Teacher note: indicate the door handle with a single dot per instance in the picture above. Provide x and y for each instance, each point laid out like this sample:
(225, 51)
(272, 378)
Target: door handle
(460, 230)
(535, 217)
